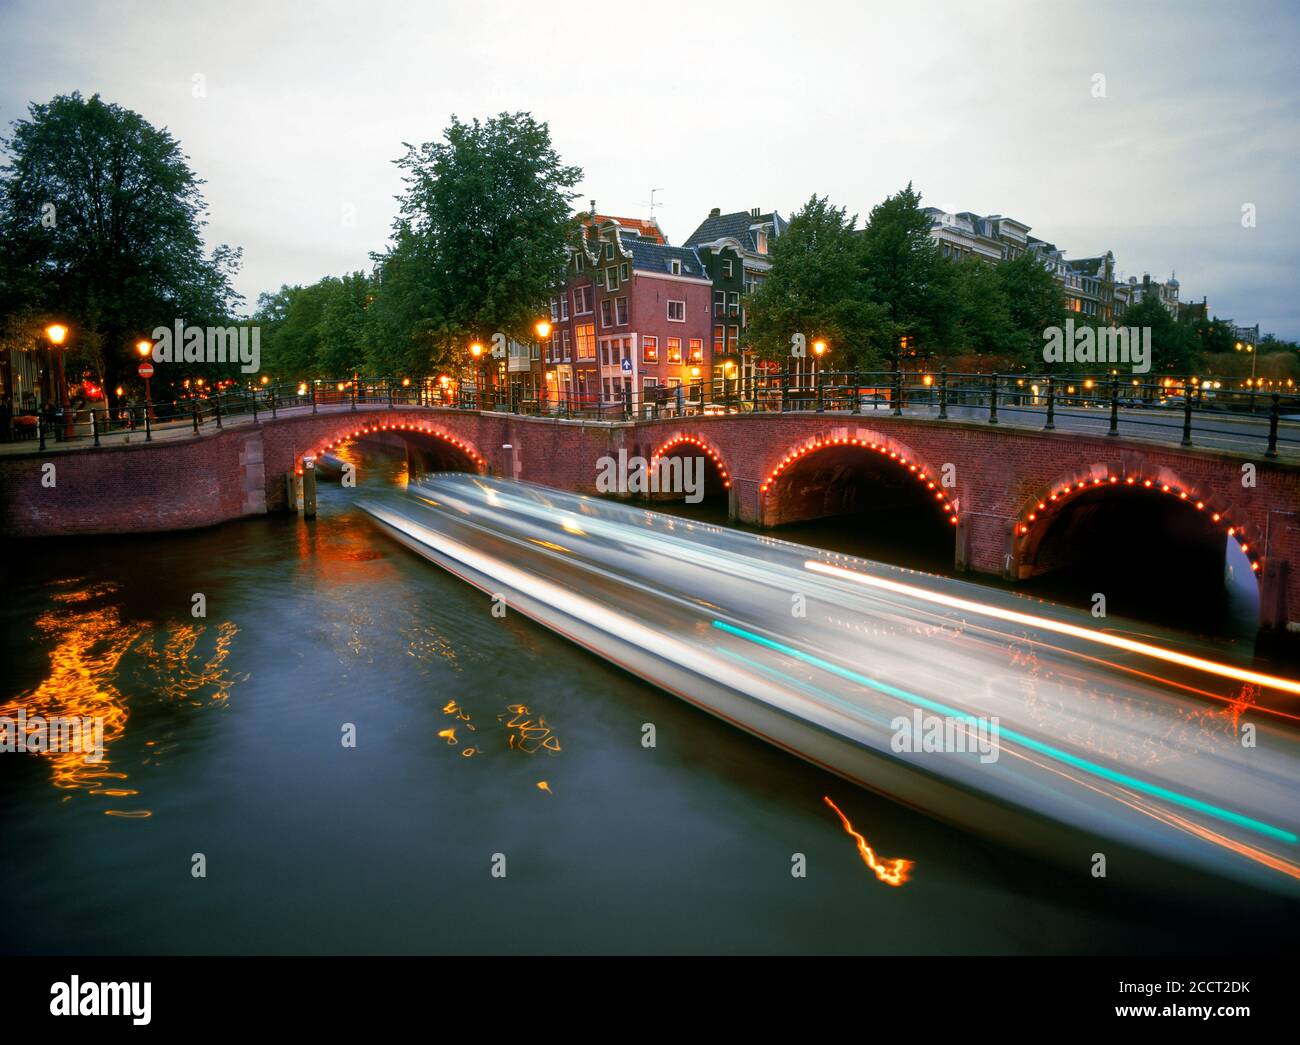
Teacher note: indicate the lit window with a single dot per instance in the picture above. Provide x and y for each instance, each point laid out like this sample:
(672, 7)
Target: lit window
(650, 349)
(674, 350)
(697, 350)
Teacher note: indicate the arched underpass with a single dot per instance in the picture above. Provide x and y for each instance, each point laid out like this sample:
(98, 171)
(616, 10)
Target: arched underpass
(863, 499)
(1154, 553)
(692, 478)
(400, 452)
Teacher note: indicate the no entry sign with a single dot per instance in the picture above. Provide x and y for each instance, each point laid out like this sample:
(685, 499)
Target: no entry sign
(145, 370)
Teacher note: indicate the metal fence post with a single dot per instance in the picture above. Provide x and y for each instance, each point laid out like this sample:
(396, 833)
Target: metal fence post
(943, 393)
(1187, 412)
(1114, 405)
(94, 426)
(1051, 405)
(312, 387)
(216, 407)
(194, 412)
(1273, 413)
(254, 394)
(898, 392)
(148, 428)
(993, 401)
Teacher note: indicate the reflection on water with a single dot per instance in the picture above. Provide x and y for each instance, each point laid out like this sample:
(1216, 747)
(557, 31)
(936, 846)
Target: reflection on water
(95, 657)
(86, 639)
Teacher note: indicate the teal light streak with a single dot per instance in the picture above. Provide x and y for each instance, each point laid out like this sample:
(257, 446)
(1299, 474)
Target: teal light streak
(1075, 761)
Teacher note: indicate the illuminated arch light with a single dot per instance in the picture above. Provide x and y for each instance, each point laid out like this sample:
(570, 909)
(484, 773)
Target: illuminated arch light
(369, 429)
(1030, 518)
(699, 444)
(916, 471)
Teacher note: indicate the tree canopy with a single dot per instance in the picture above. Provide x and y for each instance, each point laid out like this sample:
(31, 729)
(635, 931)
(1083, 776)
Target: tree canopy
(102, 221)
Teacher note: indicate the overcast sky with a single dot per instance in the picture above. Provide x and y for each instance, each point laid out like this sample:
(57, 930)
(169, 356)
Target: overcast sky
(987, 107)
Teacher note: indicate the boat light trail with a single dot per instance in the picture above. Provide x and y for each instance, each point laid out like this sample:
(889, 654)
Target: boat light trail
(1111, 775)
(891, 872)
(1061, 628)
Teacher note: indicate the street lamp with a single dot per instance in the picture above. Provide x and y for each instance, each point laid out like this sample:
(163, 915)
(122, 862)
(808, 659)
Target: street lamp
(145, 348)
(819, 350)
(476, 350)
(56, 334)
(543, 329)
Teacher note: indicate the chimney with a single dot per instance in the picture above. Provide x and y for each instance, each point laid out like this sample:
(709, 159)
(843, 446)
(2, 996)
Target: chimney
(756, 211)
(716, 212)
(593, 210)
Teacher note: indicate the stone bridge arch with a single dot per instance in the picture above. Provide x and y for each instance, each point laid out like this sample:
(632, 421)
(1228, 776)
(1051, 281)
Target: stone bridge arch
(832, 454)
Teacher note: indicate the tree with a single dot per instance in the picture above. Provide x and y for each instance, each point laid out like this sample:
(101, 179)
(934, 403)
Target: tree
(488, 210)
(904, 271)
(815, 288)
(1173, 344)
(983, 323)
(102, 220)
(1035, 302)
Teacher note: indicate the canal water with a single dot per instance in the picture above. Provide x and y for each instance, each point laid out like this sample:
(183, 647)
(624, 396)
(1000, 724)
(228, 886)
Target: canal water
(480, 743)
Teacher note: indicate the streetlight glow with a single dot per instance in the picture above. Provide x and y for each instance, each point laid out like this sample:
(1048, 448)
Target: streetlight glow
(143, 347)
(56, 332)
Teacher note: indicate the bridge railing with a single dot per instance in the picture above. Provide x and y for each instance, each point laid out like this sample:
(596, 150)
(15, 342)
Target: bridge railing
(1185, 408)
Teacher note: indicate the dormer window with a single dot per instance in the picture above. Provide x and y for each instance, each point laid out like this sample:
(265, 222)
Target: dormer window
(761, 237)
(609, 252)
(675, 267)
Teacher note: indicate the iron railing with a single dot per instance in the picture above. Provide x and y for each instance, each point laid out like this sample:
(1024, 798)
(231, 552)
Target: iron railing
(1192, 412)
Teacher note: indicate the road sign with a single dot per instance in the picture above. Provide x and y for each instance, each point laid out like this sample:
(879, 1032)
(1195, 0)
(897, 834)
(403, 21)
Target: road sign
(627, 366)
(145, 370)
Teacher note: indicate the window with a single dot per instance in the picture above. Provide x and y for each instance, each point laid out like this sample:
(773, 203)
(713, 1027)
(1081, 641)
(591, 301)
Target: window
(600, 277)
(719, 302)
(586, 334)
(611, 278)
(568, 344)
(697, 350)
(649, 349)
(675, 267)
(564, 307)
(733, 335)
(582, 301)
(726, 268)
(620, 312)
(677, 311)
(579, 263)
(624, 272)
(555, 310)
(609, 252)
(606, 315)
(719, 339)
(674, 350)
(762, 241)
(733, 303)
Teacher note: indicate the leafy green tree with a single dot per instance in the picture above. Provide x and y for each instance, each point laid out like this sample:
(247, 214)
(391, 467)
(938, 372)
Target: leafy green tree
(405, 318)
(904, 271)
(101, 217)
(488, 209)
(1035, 302)
(815, 288)
(343, 334)
(983, 314)
(1173, 344)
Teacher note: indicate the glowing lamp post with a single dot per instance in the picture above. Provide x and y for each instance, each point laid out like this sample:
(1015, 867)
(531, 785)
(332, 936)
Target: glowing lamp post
(476, 350)
(543, 330)
(56, 334)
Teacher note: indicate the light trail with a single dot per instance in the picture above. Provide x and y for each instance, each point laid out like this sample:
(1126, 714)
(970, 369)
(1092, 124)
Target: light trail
(1123, 779)
(892, 872)
(1074, 631)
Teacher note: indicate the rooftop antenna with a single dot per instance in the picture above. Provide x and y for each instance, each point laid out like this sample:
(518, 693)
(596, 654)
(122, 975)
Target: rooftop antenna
(651, 202)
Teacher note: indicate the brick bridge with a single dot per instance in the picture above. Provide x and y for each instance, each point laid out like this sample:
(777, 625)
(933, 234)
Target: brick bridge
(1017, 502)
